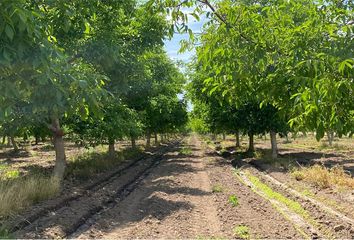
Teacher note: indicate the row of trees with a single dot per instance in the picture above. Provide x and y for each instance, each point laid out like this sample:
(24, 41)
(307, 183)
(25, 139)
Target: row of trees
(96, 69)
(273, 66)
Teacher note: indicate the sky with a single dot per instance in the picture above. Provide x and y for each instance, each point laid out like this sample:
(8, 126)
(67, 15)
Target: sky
(172, 46)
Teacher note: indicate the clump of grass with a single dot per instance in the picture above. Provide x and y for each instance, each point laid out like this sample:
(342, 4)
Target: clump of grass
(242, 231)
(295, 206)
(323, 177)
(335, 146)
(185, 151)
(217, 188)
(233, 200)
(19, 193)
(7, 173)
(90, 164)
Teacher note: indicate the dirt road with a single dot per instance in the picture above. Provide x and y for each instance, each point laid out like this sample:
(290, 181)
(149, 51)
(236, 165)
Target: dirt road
(184, 192)
(175, 201)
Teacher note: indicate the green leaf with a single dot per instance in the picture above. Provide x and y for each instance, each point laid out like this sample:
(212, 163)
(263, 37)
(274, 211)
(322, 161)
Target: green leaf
(83, 83)
(320, 133)
(213, 89)
(87, 28)
(9, 32)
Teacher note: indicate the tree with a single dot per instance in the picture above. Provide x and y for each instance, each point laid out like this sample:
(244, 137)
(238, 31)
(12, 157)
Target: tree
(288, 55)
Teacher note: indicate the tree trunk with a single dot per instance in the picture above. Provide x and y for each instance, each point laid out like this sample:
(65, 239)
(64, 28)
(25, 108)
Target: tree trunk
(36, 140)
(155, 136)
(330, 136)
(8, 142)
(238, 139)
(13, 143)
(251, 143)
(111, 148)
(60, 158)
(223, 136)
(273, 141)
(148, 138)
(3, 140)
(133, 142)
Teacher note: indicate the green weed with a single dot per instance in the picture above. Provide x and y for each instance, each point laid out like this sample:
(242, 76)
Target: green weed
(295, 206)
(217, 188)
(233, 200)
(7, 173)
(185, 151)
(242, 231)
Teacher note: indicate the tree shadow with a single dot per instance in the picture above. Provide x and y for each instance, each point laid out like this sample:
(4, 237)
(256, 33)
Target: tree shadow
(308, 156)
(153, 202)
(287, 161)
(155, 198)
(12, 154)
(44, 148)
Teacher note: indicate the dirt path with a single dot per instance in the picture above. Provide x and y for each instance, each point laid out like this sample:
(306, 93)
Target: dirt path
(181, 199)
(175, 201)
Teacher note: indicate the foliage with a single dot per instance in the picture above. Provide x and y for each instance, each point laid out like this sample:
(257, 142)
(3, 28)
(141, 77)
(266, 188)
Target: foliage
(293, 56)
(96, 69)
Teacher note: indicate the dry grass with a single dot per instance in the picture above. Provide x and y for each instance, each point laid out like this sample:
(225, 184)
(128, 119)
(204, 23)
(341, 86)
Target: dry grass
(90, 164)
(323, 177)
(19, 193)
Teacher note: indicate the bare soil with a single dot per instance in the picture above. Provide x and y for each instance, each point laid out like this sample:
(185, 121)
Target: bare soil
(177, 201)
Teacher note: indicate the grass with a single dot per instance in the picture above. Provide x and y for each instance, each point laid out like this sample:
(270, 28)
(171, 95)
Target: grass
(185, 151)
(21, 192)
(233, 200)
(217, 188)
(90, 164)
(323, 177)
(294, 206)
(242, 231)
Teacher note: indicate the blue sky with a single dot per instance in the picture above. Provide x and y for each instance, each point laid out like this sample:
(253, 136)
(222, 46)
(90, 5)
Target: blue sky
(172, 46)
